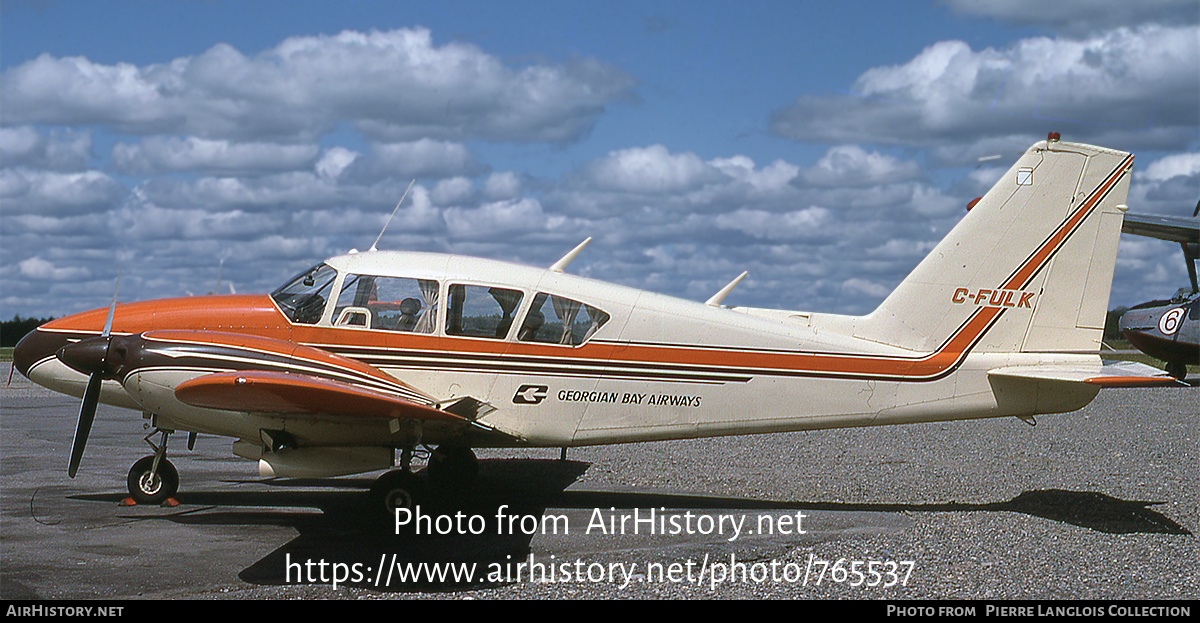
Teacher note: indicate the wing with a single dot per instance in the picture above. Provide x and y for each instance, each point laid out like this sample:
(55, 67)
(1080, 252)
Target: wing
(260, 391)
(254, 374)
(1185, 231)
(1172, 228)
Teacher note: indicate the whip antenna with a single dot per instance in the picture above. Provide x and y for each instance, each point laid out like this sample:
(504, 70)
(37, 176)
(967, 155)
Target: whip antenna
(389, 221)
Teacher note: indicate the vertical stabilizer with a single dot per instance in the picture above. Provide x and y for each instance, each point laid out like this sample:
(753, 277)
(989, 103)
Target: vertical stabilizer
(1028, 268)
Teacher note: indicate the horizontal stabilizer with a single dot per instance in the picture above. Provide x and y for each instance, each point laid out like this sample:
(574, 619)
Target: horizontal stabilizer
(1110, 374)
(258, 391)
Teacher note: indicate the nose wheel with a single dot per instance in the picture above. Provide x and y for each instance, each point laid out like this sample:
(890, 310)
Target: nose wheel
(153, 478)
(150, 485)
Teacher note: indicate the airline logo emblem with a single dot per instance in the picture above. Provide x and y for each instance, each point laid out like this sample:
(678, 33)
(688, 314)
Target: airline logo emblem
(530, 394)
(993, 298)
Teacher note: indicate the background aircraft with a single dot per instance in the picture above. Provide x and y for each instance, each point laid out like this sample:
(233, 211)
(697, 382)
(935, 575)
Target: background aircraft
(379, 351)
(1168, 330)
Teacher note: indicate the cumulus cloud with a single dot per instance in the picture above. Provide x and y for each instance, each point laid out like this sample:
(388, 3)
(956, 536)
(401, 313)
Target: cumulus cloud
(851, 165)
(1169, 185)
(1081, 16)
(161, 154)
(334, 161)
(60, 151)
(864, 286)
(43, 270)
(648, 170)
(504, 185)
(425, 158)
(396, 85)
(297, 190)
(50, 193)
(453, 190)
(770, 179)
(227, 146)
(520, 215)
(1165, 168)
(1130, 87)
(810, 224)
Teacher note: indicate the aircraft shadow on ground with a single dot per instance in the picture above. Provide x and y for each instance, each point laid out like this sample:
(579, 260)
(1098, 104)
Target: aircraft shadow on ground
(347, 531)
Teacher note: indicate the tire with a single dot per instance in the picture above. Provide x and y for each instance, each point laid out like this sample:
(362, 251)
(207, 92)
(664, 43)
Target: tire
(147, 487)
(396, 489)
(453, 467)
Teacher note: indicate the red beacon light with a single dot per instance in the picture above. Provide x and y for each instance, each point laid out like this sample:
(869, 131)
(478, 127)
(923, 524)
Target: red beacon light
(1053, 137)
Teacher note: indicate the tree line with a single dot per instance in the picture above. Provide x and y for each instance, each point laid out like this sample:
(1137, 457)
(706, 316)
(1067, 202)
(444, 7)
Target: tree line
(11, 331)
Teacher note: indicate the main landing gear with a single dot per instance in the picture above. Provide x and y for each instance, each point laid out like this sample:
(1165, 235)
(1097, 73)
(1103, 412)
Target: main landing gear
(450, 468)
(153, 479)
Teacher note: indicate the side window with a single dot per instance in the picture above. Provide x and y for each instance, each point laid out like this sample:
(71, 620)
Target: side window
(480, 311)
(557, 320)
(303, 298)
(387, 303)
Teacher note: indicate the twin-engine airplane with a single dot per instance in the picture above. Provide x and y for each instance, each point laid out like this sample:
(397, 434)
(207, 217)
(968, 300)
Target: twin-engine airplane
(372, 352)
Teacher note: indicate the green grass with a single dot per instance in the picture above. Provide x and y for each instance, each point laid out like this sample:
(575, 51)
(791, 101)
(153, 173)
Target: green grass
(6, 353)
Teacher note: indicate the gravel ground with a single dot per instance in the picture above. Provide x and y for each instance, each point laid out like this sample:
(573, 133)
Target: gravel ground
(1098, 504)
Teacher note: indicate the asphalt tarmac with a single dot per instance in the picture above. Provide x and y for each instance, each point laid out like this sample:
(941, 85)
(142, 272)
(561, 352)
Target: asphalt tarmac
(1103, 503)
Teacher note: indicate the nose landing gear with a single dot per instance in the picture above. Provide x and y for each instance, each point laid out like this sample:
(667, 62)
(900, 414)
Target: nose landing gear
(153, 479)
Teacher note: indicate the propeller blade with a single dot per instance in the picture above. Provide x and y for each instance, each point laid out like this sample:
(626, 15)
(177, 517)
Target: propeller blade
(112, 308)
(87, 413)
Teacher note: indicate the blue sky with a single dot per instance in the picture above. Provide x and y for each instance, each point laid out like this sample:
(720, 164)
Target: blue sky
(824, 147)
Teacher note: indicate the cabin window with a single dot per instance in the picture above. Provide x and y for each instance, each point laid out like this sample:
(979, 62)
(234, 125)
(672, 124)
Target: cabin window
(557, 320)
(387, 303)
(303, 298)
(480, 311)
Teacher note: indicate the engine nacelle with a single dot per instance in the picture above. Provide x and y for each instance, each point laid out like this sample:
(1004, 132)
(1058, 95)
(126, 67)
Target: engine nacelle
(314, 462)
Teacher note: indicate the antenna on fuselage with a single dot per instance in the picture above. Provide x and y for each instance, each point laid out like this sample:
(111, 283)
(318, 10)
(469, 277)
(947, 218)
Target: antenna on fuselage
(389, 221)
(561, 264)
(220, 267)
(716, 299)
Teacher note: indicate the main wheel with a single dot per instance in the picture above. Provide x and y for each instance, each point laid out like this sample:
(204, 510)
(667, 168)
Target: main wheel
(1177, 370)
(397, 489)
(149, 487)
(453, 466)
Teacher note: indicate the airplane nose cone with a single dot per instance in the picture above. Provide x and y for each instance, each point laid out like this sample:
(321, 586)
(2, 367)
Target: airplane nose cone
(36, 346)
(86, 356)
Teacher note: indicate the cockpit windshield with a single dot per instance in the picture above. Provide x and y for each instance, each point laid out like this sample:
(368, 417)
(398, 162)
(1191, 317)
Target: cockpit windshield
(303, 298)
